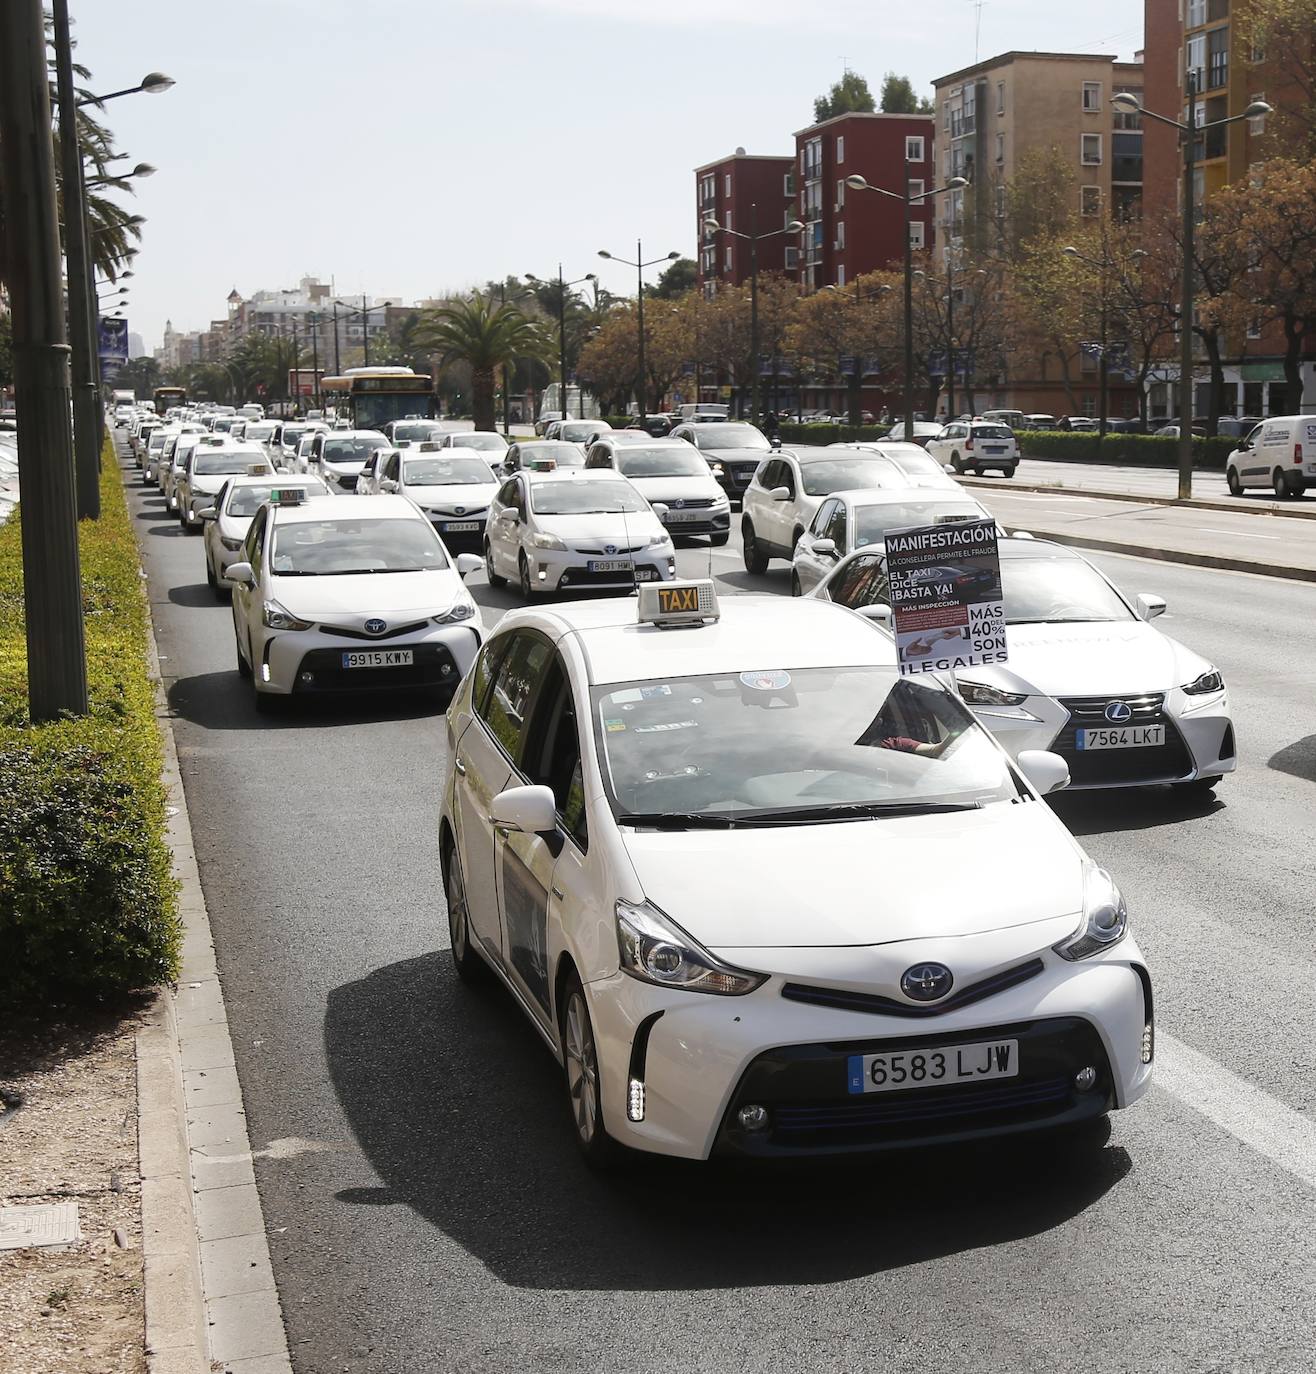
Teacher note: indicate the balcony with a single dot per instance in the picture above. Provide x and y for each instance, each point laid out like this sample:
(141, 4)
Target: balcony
(1217, 71)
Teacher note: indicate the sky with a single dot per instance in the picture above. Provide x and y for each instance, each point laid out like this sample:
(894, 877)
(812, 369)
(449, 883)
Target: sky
(415, 147)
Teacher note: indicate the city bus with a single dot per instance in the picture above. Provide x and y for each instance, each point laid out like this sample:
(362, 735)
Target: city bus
(372, 396)
(168, 396)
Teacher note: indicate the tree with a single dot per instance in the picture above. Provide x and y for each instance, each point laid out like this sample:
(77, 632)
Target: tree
(676, 279)
(839, 335)
(402, 346)
(485, 336)
(898, 96)
(1282, 33)
(850, 95)
(609, 362)
(141, 374)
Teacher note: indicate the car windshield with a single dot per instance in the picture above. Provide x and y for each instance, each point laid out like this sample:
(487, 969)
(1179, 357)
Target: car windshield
(484, 442)
(873, 522)
(291, 433)
(564, 455)
(336, 548)
(993, 432)
(792, 745)
(223, 426)
(417, 431)
(261, 431)
(1057, 591)
(586, 498)
(352, 450)
(245, 501)
(574, 434)
(827, 475)
(732, 436)
(676, 461)
(915, 464)
(229, 461)
(445, 472)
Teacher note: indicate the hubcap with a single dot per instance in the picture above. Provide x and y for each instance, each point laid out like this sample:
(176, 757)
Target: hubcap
(456, 910)
(582, 1069)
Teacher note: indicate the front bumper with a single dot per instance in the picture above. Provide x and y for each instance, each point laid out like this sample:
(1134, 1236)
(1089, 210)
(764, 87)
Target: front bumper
(440, 657)
(736, 476)
(554, 570)
(716, 520)
(705, 1057)
(339, 479)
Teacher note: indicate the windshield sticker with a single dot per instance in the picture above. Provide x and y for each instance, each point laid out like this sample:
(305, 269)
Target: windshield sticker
(667, 725)
(767, 680)
(626, 694)
(660, 689)
(613, 727)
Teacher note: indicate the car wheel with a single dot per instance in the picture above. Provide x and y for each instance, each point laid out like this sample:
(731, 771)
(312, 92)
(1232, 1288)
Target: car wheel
(795, 585)
(978, 472)
(1007, 472)
(1280, 483)
(718, 540)
(580, 1063)
(244, 668)
(470, 967)
(756, 560)
(523, 578)
(1235, 486)
(957, 463)
(495, 579)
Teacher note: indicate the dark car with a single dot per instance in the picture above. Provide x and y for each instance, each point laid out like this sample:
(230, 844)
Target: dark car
(658, 426)
(736, 446)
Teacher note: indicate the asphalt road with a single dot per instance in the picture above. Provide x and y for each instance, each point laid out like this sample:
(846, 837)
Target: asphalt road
(425, 1205)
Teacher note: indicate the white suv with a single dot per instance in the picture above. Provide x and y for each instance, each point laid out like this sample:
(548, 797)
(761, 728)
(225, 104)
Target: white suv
(976, 445)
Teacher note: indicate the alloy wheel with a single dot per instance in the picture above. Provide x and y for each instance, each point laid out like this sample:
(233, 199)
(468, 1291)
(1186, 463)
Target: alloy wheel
(582, 1068)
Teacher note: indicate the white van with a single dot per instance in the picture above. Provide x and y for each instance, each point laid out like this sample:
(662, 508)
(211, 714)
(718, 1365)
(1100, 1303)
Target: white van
(1280, 453)
(703, 412)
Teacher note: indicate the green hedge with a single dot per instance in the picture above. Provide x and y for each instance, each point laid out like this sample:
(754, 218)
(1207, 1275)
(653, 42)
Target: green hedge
(88, 903)
(832, 434)
(1143, 450)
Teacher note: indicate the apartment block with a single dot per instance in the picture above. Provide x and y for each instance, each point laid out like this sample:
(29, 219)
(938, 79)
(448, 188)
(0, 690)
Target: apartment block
(848, 233)
(747, 193)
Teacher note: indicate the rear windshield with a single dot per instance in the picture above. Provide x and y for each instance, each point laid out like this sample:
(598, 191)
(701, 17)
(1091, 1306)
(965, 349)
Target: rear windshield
(246, 501)
(352, 450)
(732, 436)
(993, 432)
(825, 476)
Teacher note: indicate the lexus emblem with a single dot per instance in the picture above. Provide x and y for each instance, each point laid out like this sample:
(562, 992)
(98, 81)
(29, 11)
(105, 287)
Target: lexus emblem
(376, 627)
(926, 982)
(1119, 712)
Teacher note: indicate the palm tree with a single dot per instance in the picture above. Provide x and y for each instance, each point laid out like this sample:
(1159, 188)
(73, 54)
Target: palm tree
(484, 336)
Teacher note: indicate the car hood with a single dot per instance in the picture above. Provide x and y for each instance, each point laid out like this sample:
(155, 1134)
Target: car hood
(616, 529)
(696, 487)
(736, 455)
(472, 495)
(368, 594)
(1098, 658)
(862, 882)
(342, 469)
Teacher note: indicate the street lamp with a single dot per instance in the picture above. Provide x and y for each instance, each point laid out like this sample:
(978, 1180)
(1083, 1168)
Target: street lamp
(1188, 132)
(858, 183)
(1103, 265)
(562, 288)
(752, 238)
(153, 83)
(639, 264)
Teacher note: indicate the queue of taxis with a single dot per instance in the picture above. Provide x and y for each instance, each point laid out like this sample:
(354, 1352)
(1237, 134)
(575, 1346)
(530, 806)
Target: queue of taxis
(660, 824)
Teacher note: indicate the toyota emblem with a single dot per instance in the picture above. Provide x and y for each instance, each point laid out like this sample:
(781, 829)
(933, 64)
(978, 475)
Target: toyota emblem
(376, 627)
(459, 510)
(610, 548)
(926, 982)
(1119, 712)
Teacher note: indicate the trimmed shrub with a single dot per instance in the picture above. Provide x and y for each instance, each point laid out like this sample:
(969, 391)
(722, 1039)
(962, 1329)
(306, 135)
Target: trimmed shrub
(832, 434)
(88, 903)
(1143, 450)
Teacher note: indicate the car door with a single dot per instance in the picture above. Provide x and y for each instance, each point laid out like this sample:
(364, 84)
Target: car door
(504, 527)
(390, 477)
(782, 515)
(246, 598)
(484, 764)
(810, 567)
(861, 582)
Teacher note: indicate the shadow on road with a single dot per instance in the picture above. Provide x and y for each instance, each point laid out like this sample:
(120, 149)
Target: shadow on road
(195, 594)
(460, 1110)
(1134, 808)
(1298, 759)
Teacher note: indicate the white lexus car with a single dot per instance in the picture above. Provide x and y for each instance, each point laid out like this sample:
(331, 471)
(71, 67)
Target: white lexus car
(226, 522)
(661, 829)
(349, 594)
(1088, 676)
(574, 529)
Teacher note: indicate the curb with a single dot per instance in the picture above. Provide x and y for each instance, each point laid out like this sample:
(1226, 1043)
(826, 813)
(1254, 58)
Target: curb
(210, 1297)
(1101, 494)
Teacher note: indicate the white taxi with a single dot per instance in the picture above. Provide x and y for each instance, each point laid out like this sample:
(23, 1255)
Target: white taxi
(452, 487)
(354, 593)
(227, 520)
(207, 471)
(762, 896)
(574, 529)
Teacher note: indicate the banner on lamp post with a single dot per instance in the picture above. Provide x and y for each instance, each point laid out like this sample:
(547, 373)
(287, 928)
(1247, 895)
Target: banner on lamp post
(111, 346)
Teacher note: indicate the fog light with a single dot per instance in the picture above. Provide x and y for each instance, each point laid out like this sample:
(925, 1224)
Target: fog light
(543, 574)
(306, 677)
(1085, 1078)
(635, 1100)
(264, 672)
(753, 1118)
(1148, 1043)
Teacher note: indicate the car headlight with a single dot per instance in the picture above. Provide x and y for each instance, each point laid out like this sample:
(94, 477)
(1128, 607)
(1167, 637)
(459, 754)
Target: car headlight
(655, 950)
(461, 610)
(659, 541)
(274, 617)
(546, 541)
(232, 545)
(1210, 681)
(1105, 917)
(980, 694)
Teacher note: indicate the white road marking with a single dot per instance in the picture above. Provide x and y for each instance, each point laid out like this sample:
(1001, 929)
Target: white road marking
(1238, 534)
(1249, 1114)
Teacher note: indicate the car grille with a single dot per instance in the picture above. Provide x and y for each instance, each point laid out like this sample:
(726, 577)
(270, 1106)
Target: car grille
(1113, 767)
(696, 503)
(432, 666)
(392, 632)
(615, 551)
(846, 1000)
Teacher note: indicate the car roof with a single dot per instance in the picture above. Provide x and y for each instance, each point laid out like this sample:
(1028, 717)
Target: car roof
(350, 508)
(822, 454)
(635, 436)
(354, 433)
(749, 635)
(890, 496)
(276, 479)
(573, 474)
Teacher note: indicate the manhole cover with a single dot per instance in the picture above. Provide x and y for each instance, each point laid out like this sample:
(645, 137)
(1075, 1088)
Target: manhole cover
(52, 1223)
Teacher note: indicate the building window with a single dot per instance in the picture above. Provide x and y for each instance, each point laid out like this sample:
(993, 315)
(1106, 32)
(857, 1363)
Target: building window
(840, 193)
(1091, 96)
(792, 257)
(727, 259)
(1197, 58)
(1217, 58)
(840, 274)
(916, 235)
(1258, 52)
(1196, 13)
(726, 221)
(999, 198)
(1091, 150)
(1091, 199)
(788, 184)
(840, 234)
(1254, 327)
(916, 187)
(1128, 119)
(840, 147)
(914, 149)
(1000, 147)
(1000, 97)
(726, 184)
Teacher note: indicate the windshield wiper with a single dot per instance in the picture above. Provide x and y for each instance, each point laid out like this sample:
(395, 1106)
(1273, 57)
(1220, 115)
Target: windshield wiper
(854, 811)
(679, 820)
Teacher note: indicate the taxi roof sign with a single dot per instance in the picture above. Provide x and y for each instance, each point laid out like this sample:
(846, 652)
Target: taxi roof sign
(287, 496)
(257, 469)
(542, 465)
(678, 603)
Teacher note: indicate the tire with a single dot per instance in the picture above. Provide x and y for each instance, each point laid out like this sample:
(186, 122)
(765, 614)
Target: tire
(957, 463)
(756, 561)
(720, 540)
(795, 585)
(1235, 486)
(471, 969)
(244, 668)
(1280, 483)
(1007, 472)
(495, 579)
(978, 472)
(523, 579)
(581, 1070)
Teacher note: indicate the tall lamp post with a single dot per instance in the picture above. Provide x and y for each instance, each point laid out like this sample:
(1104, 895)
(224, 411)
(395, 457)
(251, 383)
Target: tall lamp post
(562, 288)
(794, 226)
(639, 264)
(1189, 131)
(858, 183)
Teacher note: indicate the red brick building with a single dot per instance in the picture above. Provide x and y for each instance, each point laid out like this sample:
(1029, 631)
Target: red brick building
(745, 193)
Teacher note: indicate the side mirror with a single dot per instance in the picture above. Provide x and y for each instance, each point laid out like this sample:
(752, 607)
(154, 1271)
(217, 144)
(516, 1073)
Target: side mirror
(388, 484)
(467, 563)
(780, 493)
(775, 441)
(660, 510)
(824, 548)
(1149, 606)
(878, 611)
(208, 513)
(240, 573)
(1047, 772)
(529, 810)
